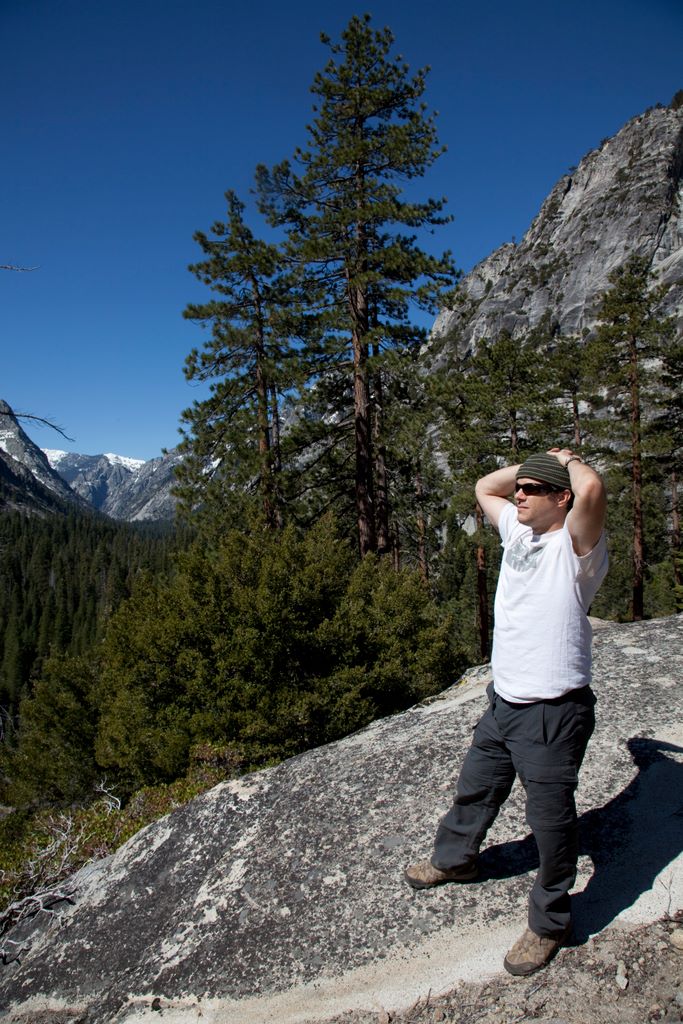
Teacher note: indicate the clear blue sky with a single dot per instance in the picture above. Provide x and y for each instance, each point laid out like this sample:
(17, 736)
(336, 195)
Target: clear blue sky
(124, 122)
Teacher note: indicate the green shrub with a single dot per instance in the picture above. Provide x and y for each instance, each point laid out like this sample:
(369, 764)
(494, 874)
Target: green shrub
(54, 760)
(271, 642)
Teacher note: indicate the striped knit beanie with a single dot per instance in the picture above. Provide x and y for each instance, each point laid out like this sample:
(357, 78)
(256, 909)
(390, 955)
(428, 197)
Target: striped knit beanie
(547, 469)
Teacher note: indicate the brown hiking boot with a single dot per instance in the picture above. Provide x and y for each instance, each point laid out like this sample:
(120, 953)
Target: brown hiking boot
(424, 875)
(531, 952)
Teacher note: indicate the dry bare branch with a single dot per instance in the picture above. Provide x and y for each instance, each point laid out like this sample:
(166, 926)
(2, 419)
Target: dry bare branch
(39, 419)
(112, 802)
(43, 882)
(39, 902)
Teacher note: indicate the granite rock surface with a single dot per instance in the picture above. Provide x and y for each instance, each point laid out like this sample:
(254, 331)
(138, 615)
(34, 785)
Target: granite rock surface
(279, 897)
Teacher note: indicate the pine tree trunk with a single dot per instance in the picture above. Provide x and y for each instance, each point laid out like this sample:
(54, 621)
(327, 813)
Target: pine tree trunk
(276, 452)
(262, 417)
(382, 493)
(675, 529)
(637, 486)
(421, 527)
(275, 430)
(363, 487)
(577, 422)
(514, 435)
(383, 539)
(358, 300)
(396, 546)
(360, 319)
(264, 447)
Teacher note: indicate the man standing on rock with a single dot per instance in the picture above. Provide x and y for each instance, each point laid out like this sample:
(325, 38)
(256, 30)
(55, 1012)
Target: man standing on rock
(540, 715)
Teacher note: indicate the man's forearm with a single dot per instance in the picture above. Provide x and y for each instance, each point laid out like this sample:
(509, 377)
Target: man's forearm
(587, 518)
(585, 482)
(584, 479)
(499, 484)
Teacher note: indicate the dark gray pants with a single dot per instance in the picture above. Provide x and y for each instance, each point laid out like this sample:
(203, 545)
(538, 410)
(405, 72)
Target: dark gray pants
(544, 744)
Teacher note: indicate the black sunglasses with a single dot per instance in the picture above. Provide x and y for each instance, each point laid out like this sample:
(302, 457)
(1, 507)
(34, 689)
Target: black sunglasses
(529, 489)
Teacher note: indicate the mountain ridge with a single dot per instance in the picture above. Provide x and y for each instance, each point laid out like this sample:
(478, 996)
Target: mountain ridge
(132, 490)
(52, 481)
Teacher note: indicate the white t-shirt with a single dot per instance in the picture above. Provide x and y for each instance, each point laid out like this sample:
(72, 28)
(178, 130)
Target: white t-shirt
(542, 636)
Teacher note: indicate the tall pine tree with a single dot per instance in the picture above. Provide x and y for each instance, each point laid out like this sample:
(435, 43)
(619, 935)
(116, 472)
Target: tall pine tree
(232, 438)
(625, 357)
(666, 434)
(350, 227)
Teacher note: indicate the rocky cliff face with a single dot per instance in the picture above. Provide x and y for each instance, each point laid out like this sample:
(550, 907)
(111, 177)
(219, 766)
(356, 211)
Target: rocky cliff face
(147, 496)
(125, 489)
(624, 198)
(27, 481)
(94, 477)
(278, 898)
(20, 491)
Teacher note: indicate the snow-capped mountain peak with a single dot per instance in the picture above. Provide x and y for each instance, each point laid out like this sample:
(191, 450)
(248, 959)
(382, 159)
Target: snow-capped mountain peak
(118, 485)
(124, 460)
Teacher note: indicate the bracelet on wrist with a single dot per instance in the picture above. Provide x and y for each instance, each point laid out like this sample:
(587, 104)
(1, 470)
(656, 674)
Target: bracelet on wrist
(573, 458)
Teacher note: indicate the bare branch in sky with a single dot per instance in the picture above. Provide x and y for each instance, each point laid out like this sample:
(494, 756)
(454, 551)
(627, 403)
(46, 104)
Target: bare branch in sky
(38, 419)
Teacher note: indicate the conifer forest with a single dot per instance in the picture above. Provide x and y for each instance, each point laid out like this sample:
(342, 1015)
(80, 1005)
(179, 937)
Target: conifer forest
(329, 564)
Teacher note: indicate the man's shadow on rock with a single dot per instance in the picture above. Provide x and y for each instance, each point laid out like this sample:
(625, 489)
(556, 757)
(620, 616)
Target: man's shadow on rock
(630, 840)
